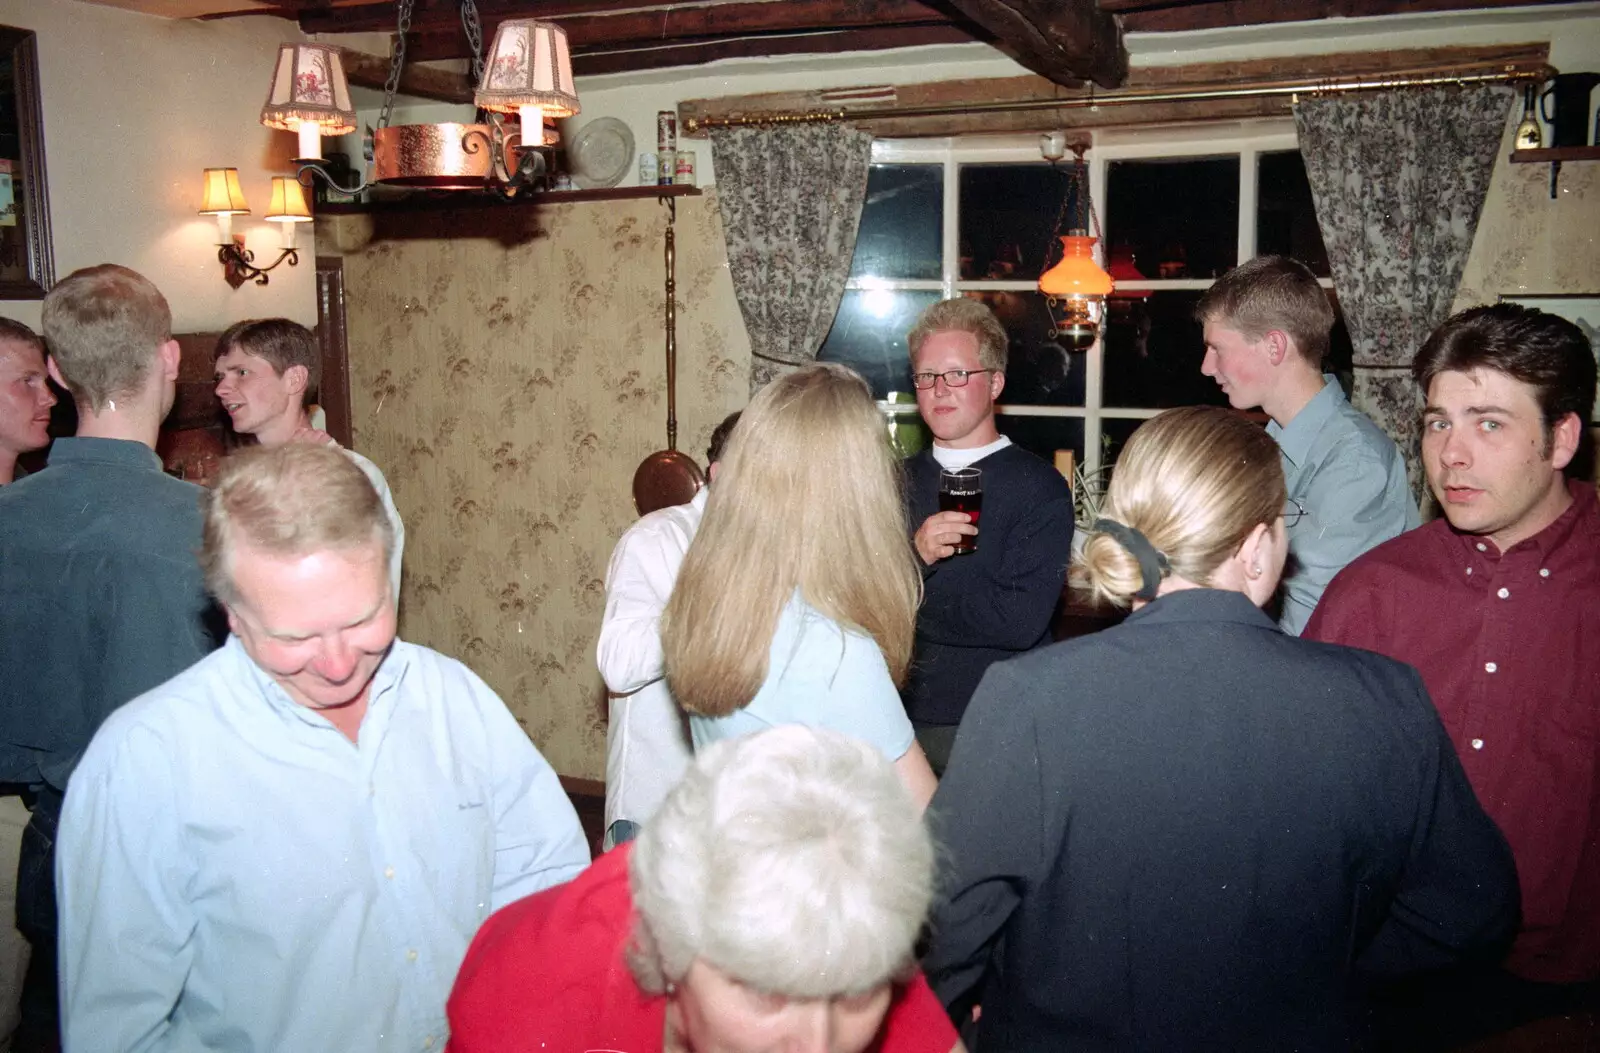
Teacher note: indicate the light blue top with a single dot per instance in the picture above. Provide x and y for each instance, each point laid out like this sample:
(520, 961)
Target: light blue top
(235, 874)
(1351, 480)
(822, 675)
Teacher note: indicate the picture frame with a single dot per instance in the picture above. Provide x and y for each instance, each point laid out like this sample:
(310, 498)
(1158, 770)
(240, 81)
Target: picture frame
(27, 256)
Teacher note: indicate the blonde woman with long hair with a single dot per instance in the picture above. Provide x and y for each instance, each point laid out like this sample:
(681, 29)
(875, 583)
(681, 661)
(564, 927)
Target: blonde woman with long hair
(797, 601)
(1190, 831)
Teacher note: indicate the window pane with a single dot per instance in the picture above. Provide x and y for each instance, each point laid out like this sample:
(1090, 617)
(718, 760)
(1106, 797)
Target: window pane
(1043, 436)
(1172, 219)
(1153, 350)
(1008, 215)
(1286, 218)
(902, 223)
(1039, 371)
(1114, 435)
(869, 335)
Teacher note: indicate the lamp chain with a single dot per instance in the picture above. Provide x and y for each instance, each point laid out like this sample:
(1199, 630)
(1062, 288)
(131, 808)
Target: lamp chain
(397, 59)
(474, 28)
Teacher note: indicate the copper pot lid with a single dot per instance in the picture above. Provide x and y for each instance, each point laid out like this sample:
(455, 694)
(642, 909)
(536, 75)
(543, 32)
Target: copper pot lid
(666, 478)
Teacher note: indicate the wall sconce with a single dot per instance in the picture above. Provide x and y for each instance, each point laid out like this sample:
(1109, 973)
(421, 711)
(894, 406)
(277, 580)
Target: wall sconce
(224, 199)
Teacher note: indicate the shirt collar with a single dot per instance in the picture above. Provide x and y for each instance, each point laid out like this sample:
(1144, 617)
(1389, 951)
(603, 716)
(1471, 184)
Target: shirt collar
(1202, 605)
(1295, 439)
(124, 453)
(1582, 516)
(391, 671)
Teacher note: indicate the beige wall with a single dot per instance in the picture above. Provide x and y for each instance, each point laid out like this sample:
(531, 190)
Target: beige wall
(134, 107)
(508, 375)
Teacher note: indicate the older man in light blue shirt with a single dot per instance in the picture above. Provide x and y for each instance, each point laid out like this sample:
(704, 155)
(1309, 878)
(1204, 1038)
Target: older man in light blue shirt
(290, 845)
(1266, 329)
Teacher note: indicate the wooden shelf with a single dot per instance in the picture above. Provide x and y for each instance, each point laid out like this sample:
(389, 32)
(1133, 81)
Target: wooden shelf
(453, 200)
(1555, 153)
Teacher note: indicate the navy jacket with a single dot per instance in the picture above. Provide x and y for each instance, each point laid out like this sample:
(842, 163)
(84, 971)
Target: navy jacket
(1189, 831)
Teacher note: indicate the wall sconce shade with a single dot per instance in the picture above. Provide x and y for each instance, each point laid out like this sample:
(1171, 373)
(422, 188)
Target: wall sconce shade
(530, 72)
(222, 195)
(288, 202)
(308, 86)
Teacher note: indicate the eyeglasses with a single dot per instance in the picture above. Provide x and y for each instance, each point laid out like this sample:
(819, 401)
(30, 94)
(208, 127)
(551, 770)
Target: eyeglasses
(1292, 512)
(953, 378)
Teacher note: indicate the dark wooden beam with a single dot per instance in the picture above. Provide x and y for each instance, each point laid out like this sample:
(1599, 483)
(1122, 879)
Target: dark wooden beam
(1063, 40)
(597, 63)
(372, 71)
(435, 14)
(1144, 16)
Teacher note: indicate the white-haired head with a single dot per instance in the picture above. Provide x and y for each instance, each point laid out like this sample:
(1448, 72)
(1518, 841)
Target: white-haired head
(792, 861)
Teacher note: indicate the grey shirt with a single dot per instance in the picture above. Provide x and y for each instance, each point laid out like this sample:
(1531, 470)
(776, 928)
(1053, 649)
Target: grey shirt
(101, 598)
(1351, 480)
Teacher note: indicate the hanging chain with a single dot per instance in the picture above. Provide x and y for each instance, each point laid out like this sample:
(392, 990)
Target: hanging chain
(474, 28)
(397, 59)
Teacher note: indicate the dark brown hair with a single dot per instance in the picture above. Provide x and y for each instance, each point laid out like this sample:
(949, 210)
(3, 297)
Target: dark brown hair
(719, 437)
(1267, 293)
(1542, 350)
(279, 341)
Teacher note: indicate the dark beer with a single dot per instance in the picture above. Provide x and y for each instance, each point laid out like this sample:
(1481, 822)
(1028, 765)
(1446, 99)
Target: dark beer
(968, 501)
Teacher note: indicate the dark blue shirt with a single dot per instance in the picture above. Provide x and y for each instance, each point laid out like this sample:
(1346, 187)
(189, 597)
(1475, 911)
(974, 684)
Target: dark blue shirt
(101, 598)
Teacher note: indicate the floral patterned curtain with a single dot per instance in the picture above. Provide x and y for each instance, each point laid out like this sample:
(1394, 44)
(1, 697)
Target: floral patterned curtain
(1399, 179)
(790, 198)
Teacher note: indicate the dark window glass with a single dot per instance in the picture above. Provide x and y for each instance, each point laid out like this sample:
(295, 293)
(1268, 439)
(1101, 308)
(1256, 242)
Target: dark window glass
(1341, 355)
(1153, 351)
(902, 223)
(1286, 218)
(1172, 219)
(1039, 371)
(1043, 436)
(869, 335)
(1008, 217)
(1114, 435)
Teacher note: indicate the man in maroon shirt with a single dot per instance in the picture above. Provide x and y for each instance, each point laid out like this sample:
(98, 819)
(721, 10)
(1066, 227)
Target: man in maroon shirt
(1497, 603)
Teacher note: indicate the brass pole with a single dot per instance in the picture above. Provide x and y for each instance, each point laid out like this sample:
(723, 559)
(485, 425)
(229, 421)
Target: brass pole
(1420, 78)
(672, 325)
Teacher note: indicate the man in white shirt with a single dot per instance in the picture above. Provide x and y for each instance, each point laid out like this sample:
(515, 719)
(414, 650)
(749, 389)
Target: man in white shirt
(289, 845)
(647, 744)
(267, 372)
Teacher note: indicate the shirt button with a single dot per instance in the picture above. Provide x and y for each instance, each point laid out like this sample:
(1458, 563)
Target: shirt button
(1544, 572)
(411, 956)
(427, 1043)
(1477, 744)
(1489, 667)
(1504, 594)
(1469, 570)
(388, 872)
(1482, 547)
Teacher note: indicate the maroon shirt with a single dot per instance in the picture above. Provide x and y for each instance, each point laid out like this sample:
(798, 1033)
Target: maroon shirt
(1508, 644)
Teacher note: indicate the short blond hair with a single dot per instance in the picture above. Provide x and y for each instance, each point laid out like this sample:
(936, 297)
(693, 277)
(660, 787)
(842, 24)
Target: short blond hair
(103, 326)
(808, 498)
(963, 315)
(289, 500)
(1267, 293)
(1195, 482)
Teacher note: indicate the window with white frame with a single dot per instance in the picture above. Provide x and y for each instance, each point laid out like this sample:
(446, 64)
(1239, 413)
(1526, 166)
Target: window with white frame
(1177, 208)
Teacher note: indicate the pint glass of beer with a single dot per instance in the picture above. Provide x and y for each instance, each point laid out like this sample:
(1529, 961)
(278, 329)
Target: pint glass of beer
(961, 490)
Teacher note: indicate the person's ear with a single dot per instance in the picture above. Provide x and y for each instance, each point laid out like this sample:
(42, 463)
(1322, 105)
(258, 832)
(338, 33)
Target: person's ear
(1277, 346)
(711, 472)
(297, 377)
(997, 384)
(171, 357)
(1564, 440)
(55, 371)
(1255, 553)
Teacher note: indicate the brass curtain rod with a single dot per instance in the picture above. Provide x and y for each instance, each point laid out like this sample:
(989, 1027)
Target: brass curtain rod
(1470, 75)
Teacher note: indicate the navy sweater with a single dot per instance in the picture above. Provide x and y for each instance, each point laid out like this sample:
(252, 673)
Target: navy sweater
(994, 603)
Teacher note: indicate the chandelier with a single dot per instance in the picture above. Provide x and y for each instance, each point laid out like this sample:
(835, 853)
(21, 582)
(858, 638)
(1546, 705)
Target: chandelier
(528, 74)
(1076, 287)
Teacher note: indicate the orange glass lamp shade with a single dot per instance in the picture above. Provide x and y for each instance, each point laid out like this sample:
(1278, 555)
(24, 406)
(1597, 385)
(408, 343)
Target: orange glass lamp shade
(223, 198)
(288, 207)
(309, 95)
(1078, 286)
(529, 73)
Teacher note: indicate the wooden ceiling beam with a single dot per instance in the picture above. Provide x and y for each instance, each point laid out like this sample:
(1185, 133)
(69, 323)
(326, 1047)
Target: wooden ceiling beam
(597, 63)
(1142, 16)
(372, 71)
(1063, 40)
(430, 14)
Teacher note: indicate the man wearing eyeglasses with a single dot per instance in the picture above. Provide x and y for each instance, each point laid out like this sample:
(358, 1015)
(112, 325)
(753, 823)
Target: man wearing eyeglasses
(1266, 329)
(996, 600)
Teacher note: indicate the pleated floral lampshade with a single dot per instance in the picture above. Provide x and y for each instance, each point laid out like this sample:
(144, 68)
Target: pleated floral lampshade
(529, 73)
(309, 95)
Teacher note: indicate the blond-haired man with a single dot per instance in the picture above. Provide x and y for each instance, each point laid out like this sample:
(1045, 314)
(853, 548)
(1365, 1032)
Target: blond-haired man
(267, 371)
(1267, 325)
(25, 396)
(290, 845)
(995, 602)
(100, 594)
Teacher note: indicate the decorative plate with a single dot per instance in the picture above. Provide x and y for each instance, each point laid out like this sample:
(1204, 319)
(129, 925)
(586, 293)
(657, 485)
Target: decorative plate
(601, 153)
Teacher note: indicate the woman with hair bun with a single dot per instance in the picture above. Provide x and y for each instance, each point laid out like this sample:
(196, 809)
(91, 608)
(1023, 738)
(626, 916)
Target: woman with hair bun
(1191, 831)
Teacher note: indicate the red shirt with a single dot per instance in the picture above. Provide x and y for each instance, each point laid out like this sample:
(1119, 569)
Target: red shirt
(548, 974)
(1508, 644)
